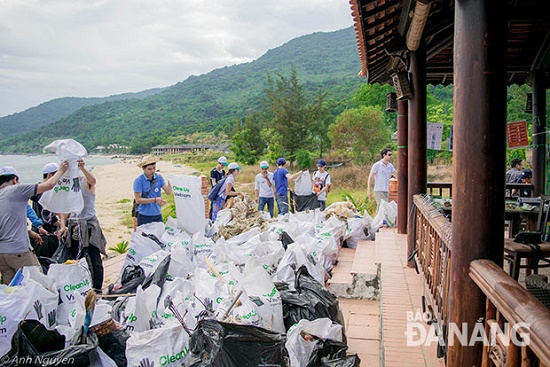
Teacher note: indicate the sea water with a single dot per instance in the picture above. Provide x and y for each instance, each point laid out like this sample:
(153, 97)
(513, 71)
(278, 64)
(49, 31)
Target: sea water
(29, 167)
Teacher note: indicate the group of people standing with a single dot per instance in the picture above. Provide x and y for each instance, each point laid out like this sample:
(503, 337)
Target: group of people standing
(516, 174)
(269, 187)
(80, 232)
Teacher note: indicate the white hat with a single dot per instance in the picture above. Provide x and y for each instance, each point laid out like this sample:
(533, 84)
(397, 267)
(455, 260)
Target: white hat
(50, 168)
(222, 160)
(234, 166)
(7, 170)
(147, 160)
(264, 164)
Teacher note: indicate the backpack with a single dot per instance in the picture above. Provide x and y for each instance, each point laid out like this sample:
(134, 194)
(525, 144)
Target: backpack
(319, 183)
(216, 189)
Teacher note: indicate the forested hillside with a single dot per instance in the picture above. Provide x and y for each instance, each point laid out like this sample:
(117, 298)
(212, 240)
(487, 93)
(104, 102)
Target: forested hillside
(49, 112)
(325, 62)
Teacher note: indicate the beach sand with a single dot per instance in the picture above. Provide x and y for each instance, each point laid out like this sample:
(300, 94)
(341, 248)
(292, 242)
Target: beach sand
(115, 183)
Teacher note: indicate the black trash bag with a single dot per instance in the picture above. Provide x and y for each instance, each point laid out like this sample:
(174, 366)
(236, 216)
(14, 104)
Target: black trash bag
(285, 239)
(309, 301)
(352, 360)
(300, 203)
(34, 345)
(48, 247)
(220, 344)
(158, 277)
(45, 263)
(327, 349)
(114, 345)
(132, 277)
(63, 252)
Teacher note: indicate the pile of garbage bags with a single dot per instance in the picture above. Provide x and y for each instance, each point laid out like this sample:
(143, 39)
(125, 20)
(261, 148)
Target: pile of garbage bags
(201, 299)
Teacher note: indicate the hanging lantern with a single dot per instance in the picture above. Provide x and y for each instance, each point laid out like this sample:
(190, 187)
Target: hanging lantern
(401, 85)
(529, 103)
(391, 102)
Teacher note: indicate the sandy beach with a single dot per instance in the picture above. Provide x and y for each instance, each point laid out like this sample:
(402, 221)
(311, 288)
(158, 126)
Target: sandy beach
(114, 183)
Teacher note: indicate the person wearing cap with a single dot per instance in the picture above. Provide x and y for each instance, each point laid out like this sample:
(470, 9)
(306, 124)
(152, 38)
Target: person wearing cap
(281, 176)
(84, 233)
(525, 178)
(321, 183)
(381, 172)
(229, 191)
(263, 188)
(216, 174)
(148, 190)
(50, 221)
(15, 246)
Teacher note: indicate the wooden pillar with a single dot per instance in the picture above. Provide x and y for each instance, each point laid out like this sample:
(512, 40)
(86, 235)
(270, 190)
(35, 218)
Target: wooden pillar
(478, 163)
(402, 172)
(539, 133)
(417, 161)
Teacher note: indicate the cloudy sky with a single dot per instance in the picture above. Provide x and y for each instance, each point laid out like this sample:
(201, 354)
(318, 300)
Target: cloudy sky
(96, 48)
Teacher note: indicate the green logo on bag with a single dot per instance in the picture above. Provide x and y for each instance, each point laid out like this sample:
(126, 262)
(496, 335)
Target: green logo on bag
(273, 291)
(2, 319)
(74, 287)
(61, 188)
(167, 359)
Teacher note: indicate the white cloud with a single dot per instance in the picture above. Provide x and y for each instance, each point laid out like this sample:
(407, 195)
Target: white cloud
(95, 48)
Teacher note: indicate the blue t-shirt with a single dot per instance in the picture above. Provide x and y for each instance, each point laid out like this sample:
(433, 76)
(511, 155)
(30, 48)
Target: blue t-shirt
(281, 182)
(141, 185)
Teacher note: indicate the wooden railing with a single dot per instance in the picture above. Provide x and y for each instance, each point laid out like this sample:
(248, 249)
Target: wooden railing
(445, 189)
(432, 238)
(511, 308)
(508, 303)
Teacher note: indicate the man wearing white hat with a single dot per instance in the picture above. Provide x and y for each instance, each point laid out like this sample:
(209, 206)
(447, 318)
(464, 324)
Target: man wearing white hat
(264, 186)
(15, 246)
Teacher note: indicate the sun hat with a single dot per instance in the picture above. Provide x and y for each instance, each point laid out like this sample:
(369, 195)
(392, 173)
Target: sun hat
(50, 168)
(7, 170)
(321, 163)
(264, 164)
(223, 161)
(234, 165)
(281, 161)
(147, 160)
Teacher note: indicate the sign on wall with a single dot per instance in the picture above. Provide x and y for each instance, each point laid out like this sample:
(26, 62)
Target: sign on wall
(516, 132)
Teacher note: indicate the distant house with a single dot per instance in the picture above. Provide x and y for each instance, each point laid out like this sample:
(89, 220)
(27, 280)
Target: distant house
(187, 148)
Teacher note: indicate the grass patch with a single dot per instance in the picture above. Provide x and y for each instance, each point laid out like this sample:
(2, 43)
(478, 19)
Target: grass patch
(123, 201)
(121, 247)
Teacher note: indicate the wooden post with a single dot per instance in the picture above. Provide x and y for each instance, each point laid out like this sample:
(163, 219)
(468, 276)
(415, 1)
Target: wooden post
(539, 134)
(479, 162)
(403, 208)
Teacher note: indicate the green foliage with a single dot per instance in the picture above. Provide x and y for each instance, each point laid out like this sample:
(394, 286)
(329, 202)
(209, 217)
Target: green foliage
(361, 204)
(303, 159)
(247, 143)
(360, 133)
(289, 112)
(121, 247)
(123, 201)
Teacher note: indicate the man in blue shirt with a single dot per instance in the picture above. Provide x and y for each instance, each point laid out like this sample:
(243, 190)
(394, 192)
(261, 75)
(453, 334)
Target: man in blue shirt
(281, 177)
(147, 192)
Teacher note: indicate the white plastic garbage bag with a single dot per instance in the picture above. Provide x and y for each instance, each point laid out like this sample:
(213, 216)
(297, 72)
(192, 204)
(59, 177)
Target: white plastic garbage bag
(67, 279)
(189, 203)
(386, 212)
(66, 196)
(29, 301)
(300, 346)
(303, 184)
(158, 347)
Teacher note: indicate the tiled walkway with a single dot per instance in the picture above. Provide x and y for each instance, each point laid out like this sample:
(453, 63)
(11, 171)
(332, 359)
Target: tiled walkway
(384, 343)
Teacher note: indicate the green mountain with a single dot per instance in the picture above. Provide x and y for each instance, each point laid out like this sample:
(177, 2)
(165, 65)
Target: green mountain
(326, 62)
(49, 112)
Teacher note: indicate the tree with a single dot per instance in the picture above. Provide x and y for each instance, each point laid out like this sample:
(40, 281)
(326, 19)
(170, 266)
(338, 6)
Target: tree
(360, 133)
(247, 143)
(290, 113)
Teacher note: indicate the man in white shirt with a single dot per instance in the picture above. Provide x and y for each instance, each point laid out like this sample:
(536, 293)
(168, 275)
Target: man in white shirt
(263, 187)
(381, 172)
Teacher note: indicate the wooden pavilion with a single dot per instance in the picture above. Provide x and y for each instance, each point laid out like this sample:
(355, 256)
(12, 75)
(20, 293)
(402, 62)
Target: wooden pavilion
(480, 47)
